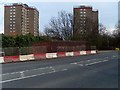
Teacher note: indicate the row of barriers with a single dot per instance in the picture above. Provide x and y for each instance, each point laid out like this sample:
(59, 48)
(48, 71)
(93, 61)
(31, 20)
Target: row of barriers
(42, 56)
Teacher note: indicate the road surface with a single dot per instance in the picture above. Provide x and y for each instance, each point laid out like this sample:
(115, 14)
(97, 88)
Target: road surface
(90, 71)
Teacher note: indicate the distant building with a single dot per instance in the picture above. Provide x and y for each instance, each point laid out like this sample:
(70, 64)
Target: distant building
(85, 22)
(20, 19)
(119, 14)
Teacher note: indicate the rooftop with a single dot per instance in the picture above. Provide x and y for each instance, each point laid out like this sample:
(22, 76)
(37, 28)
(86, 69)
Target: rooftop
(24, 5)
(83, 6)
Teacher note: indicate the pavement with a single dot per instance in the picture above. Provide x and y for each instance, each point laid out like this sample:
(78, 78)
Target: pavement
(90, 71)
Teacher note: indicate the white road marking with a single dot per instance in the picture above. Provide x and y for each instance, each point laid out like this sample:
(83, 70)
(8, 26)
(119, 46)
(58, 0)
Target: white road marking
(22, 74)
(80, 64)
(21, 78)
(105, 60)
(50, 72)
(24, 71)
(64, 69)
(96, 62)
(73, 63)
(54, 70)
(10, 80)
(114, 56)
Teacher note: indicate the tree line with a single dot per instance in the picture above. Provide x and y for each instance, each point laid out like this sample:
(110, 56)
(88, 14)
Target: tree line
(22, 40)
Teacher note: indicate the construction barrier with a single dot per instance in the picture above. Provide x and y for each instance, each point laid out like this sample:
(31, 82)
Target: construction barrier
(60, 54)
(27, 57)
(51, 55)
(41, 56)
(93, 52)
(2, 60)
(69, 53)
(88, 52)
(83, 53)
(77, 53)
(11, 58)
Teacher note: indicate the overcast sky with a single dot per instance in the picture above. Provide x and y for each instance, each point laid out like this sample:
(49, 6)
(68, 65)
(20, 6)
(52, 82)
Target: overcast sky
(108, 10)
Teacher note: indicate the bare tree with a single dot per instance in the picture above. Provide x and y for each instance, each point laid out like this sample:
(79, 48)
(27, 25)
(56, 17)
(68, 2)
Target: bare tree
(60, 27)
(102, 29)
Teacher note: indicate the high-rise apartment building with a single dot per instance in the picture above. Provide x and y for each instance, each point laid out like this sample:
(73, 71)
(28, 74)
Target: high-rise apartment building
(119, 14)
(20, 19)
(85, 22)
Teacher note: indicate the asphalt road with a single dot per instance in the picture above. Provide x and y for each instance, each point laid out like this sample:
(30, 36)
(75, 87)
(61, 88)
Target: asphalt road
(90, 71)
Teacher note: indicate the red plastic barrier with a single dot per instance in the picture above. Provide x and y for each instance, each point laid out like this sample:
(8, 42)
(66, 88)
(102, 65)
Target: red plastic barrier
(88, 52)
(61, 54)
(40, 56)
(11, 58)
(77, 53)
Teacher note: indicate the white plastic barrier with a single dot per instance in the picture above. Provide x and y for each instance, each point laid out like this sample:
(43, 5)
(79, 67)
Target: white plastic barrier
(93, 52)
(23, 57)
(83, 53)
(1, 59)
(51, 55)
(30, 57)
(27, 57)
(69, 54)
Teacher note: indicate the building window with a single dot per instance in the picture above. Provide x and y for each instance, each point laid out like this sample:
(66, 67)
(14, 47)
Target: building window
(10, 12)
(81, 15)
(10, 9)
(13, 6)
(10, 18)
(84, 12)
(13, 21)
(13, 9)
(13, 15)
(13, 12)
(10, 15)
(13, 18)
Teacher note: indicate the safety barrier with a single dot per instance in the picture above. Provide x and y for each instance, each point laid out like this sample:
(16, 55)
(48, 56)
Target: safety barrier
(69, 54)
(2, 60)
(27, 57)
(77, 53)
(61, 54)
(51, 55)
(11, 58)
(93, 52)
(83, 53)
(42, 56)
